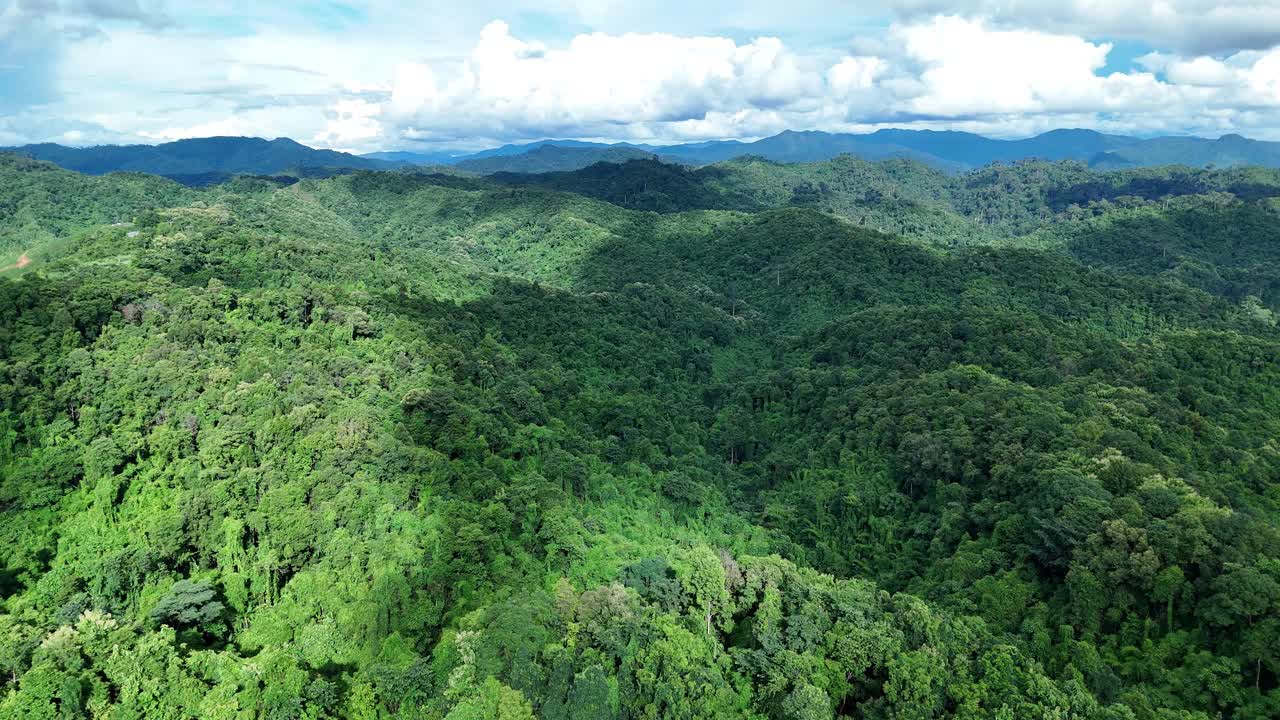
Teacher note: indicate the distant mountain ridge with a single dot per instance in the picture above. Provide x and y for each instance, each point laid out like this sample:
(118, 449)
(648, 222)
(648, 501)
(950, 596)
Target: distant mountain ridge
(404, 157)
(553, 158)
(232, 155)
(524, 148)
(1226, 151)
(197, 161)
(956, 151)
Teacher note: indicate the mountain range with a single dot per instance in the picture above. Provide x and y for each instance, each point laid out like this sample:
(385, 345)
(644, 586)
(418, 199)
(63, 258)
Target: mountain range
(552, 158)
(206, 161)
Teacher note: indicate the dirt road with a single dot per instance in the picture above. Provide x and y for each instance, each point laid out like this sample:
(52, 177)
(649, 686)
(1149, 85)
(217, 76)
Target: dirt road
(23, 261)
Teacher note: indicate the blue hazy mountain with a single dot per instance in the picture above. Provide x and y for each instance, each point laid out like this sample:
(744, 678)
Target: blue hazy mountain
(404, 157)
(196, 161)
(1226, 151)
(946, 150)
(552, 158)
(972, 150)
(200, 156)
(521, 149)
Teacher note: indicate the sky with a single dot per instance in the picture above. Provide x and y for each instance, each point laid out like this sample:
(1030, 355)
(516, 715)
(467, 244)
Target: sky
(370, 75)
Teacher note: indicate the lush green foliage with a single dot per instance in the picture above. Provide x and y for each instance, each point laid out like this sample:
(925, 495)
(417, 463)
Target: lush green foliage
(998, 203)
(397, 445)
(40, 204)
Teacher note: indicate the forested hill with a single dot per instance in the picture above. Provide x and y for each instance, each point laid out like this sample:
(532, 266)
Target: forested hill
(201, 156)
(404, 445)
(206, 161)
(1211, 229)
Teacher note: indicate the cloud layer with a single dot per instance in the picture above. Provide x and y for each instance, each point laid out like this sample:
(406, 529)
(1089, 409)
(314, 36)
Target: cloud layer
(374, 76)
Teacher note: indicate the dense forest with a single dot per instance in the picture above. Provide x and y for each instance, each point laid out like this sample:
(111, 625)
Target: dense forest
(847, 439)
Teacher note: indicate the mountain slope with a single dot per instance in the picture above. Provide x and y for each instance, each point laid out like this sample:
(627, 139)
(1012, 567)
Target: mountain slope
(808, 146)
(413, 158)
(524, 148)
(972, 150)
(409, 445)
(1226, 151)
(959, 151)
(42, 204)
(232, 155)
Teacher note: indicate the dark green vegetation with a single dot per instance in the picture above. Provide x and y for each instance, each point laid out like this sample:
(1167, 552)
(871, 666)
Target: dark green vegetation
(398, 445)
(1019, 203)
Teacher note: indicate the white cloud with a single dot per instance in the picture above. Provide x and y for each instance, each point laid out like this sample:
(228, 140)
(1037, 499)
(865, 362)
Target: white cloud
(222, 126)
(969, 68)
(1263, 78)
(598, 81)
(354, 123)
(386, 74)
(1243, 82)
(1203, 72)
(1188, 27)
(657, 86)
(852, 74)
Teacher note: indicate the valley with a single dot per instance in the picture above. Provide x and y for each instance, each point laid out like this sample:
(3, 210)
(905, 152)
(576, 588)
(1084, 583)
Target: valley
(843, 438)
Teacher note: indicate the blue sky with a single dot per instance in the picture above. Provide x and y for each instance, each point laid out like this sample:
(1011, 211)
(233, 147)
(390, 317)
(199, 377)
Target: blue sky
(376, 74)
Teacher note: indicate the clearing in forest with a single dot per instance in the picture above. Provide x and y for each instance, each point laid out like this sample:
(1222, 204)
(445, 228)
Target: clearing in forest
(23, 261)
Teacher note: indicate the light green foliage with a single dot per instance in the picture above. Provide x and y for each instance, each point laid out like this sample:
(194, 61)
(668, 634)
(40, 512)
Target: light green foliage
(492, 701)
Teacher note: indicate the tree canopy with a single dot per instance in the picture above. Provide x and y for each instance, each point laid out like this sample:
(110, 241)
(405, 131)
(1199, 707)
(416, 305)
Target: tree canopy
(403, 445)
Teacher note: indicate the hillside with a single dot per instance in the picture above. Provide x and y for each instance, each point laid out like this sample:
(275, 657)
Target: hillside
(1226, 151)
(40, 204)
(997, 204)
(642, 441)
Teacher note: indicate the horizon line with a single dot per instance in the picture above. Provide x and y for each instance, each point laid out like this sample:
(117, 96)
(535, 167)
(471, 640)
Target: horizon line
(633, 143)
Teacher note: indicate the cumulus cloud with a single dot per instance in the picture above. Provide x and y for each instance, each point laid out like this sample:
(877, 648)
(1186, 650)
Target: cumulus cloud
(1186, 27)
(381, 75)
(605, 83)
(641, 86)
(1263, 78)
(352, 123)
(1246, 82)
(1202, 72)
(602, 78)
(970, 69)
(853, 74)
